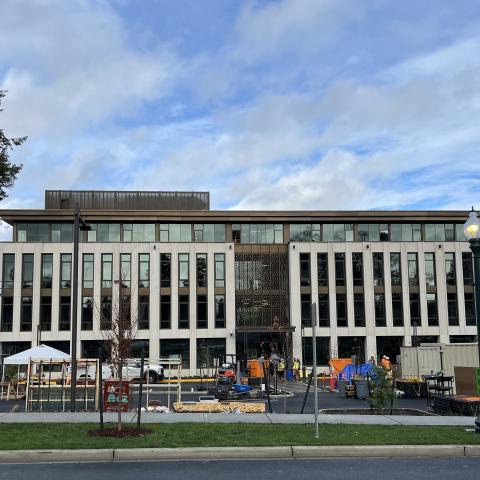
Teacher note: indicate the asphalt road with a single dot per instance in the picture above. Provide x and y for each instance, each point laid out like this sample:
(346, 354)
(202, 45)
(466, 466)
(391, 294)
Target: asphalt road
(331, 469)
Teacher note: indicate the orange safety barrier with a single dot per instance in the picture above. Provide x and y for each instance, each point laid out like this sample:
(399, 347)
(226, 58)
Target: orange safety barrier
(332, 383)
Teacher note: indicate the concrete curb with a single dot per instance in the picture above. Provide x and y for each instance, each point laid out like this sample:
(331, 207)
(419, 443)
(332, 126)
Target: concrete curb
(228, 453)
(204, 453)
(380, 451)
(56, 456)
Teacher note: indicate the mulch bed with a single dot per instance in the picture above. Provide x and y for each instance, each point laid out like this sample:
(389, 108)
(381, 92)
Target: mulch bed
(124, 433)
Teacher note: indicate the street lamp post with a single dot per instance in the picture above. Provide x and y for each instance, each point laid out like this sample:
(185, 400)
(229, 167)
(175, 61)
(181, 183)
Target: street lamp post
(472, 232)
(78, 220)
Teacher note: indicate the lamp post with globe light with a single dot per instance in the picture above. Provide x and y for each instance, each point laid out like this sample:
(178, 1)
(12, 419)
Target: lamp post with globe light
(472, 232)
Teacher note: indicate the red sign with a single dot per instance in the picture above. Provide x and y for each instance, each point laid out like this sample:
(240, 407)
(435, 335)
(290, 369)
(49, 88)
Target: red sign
(114, 397)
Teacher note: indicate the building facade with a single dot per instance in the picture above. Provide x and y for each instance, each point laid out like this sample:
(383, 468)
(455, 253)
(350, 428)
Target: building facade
(221, 282)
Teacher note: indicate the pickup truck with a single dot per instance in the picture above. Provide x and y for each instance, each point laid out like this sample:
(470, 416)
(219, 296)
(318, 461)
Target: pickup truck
(131, 371)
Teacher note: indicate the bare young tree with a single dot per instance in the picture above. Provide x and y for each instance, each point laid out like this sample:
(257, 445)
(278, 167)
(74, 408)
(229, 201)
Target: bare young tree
(118, 332)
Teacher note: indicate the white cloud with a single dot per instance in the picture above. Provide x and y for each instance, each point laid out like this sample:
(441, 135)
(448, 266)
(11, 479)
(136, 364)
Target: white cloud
(72, 65)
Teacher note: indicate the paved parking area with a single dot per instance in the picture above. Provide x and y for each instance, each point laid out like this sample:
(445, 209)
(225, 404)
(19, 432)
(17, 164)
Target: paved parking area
(289, 405)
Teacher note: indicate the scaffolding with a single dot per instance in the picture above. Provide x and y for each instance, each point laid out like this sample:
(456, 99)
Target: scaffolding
(172, 380)
(48, 386)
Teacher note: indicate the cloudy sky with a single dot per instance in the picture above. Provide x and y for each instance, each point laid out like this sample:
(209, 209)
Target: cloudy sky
(288, 104)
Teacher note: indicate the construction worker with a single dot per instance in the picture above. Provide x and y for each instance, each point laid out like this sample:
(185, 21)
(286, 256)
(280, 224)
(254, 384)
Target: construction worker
(296, 369)
(281, 368)
(386, 364)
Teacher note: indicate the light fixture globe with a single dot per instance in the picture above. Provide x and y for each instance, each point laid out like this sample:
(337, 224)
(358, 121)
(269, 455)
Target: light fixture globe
(472, 226)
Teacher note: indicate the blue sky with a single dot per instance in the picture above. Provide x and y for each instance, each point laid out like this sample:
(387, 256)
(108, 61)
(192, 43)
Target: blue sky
(293, 104)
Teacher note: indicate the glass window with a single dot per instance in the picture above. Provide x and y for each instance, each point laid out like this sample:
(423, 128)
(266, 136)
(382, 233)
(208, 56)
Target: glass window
(327, 232)
(8, 270)
(305, 269)
(46, 314)
(432, 309)
(219, 311)
(64, 323)
(380, 319)
(323, 350)
(452, 309)
(32, 232)
(183, 312)
(305, 232)
(459, 233)
(176, 232)
(236, 232)
(338, 233)
(47, 270)
(450, 268)
(106, 313)
(414, 309)
(87, 313)
(107, 261)
(65, 270)
(395, 269)
(125, 269)
(26, 315)
(306, 310)
(21, 232)
(406, 232)
(430, 232)
(7, 314)
(397, 309)
(202, 270)
(143, 312)
(357, 265)
(323, 310)
(342, 320)
(470, 310)
(340, 269)
(176, 348)
(165, 312)
(439, 232)
(27, 270)
(143, 270)
(255, 233)
(430, 269)
(103, 232)
(412, 269)
(183, 267)
(88, 270)
(139, 232)
(373, 232)
(209, 349)
(359, 309)
(322, 269)
(467, 263)
(62, 232)
(202, 311)
(219, 270)
(140, 346)
(209, 232)
(378, 275)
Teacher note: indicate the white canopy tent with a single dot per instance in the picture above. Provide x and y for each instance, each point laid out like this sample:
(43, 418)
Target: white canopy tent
(40, 352)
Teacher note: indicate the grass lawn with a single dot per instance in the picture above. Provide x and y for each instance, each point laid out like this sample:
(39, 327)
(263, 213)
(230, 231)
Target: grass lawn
(70, 435)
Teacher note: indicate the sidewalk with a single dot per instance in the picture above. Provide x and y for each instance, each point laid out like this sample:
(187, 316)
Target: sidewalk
(274, 418)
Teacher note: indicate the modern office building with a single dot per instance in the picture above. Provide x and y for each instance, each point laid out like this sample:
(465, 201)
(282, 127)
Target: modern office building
(229, 280)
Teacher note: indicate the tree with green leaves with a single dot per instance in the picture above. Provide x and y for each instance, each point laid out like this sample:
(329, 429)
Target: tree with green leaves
(8, 170)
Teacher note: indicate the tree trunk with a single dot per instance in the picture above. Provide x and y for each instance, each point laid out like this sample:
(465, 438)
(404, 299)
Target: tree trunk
(119, 408)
